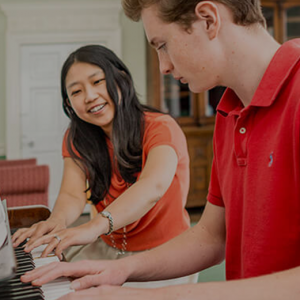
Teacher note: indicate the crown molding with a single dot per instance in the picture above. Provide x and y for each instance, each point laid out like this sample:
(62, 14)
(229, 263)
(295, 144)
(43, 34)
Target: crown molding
(62, 16)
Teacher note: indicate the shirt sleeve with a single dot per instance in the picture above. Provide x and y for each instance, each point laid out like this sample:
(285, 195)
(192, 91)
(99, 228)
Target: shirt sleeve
(214, 192)
(164, 130)
(65, 152)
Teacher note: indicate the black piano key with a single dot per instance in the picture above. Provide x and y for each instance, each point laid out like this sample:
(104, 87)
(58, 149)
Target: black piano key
(34, 296)
(25, 263)
(16, 283)
(14, 288)
(22, 253)
(22, 270)
(27, 293)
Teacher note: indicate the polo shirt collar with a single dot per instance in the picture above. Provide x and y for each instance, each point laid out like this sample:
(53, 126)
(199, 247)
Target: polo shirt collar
(279, 69)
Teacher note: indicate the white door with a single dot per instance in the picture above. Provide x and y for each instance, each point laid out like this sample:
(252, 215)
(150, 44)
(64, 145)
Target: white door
(43, 122)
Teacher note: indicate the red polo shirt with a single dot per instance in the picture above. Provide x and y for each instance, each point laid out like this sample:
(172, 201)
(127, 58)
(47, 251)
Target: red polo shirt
(256, 170)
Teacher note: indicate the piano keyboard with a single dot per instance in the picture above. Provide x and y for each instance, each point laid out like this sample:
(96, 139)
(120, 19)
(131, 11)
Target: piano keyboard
(14, 289)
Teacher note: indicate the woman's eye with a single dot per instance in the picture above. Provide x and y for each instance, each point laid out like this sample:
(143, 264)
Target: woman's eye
(98, 81)
(75, 92)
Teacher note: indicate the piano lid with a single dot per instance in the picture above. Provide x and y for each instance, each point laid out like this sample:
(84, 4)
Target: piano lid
(7, 258)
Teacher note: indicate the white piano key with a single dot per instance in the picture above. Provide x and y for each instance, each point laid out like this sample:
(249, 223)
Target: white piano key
(44, 261)
(56, 288)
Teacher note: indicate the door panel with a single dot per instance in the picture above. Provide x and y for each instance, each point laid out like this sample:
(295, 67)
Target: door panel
(42, 119)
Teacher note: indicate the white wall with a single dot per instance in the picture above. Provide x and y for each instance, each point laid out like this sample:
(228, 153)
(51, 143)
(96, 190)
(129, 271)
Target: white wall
(133, 54)
(2, 84)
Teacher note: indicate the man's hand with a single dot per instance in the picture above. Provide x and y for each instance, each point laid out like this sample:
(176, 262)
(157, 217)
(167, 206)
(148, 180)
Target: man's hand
(89, 273)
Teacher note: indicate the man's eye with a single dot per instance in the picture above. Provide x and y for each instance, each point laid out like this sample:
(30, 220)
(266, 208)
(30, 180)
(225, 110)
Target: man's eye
(162, 47)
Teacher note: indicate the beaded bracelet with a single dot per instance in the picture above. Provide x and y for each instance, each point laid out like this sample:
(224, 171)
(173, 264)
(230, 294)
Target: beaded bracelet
(106, 214)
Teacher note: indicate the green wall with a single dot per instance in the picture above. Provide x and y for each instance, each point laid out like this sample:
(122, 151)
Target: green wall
(133, 55)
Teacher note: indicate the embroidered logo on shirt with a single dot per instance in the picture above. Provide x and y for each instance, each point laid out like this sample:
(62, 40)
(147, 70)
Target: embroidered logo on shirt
(271, 159)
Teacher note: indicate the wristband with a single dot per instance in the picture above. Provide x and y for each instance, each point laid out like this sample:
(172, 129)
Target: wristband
(106, 214)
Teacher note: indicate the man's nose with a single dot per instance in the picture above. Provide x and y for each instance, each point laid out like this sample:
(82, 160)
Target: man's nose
(165, 65)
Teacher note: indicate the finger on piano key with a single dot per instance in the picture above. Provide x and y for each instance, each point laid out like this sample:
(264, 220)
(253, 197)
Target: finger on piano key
(43, 240)
(19, 236)
(53, 246)
(43, 274)
(18, 290)
(56, 288)
(39, 265)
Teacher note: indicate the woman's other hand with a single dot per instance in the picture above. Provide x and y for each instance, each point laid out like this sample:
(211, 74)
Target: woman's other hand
(37, 230)
(60, 240)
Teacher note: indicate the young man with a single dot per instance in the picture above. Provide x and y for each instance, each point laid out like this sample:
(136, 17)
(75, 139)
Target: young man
(253, 209)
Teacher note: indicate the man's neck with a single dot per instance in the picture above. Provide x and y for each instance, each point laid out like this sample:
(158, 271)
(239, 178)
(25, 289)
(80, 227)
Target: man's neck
(250, 53)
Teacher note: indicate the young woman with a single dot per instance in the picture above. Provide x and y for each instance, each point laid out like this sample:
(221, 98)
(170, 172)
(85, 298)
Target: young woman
(134, 159)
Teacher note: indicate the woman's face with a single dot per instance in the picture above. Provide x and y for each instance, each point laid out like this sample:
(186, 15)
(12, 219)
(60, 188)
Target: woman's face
(88, 96)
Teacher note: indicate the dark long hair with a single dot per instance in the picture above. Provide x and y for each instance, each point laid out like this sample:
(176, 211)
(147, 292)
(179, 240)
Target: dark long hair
(128, 126)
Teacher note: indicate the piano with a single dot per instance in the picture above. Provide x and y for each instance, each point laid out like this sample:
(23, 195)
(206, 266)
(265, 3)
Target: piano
(14, 262)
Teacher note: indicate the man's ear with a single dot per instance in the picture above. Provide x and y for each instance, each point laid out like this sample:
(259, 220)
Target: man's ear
(208, 12)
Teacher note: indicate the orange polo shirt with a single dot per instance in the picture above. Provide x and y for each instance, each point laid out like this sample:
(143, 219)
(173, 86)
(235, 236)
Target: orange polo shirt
(168, 217)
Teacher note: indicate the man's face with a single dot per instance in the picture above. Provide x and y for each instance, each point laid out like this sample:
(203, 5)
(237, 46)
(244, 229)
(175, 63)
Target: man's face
(184, 54)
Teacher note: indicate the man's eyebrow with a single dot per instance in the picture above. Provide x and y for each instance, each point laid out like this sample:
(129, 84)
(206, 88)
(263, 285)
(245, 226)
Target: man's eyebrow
(77, 82)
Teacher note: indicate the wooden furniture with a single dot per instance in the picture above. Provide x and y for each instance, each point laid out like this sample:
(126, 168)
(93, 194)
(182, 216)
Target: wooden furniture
(283, 18)
(196, 112)
(25, 216)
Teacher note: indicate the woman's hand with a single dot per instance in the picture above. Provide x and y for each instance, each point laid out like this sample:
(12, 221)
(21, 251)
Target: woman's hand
(60, 240)
(36, 231)
(89, 273)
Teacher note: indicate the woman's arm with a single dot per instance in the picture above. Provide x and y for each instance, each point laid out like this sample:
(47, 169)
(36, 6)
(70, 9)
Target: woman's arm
(68, 207)
(138, 199)
(134, 203)
(71, 199)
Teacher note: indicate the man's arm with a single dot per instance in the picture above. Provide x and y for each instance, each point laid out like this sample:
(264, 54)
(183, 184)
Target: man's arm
(276, 286)
(196, 249)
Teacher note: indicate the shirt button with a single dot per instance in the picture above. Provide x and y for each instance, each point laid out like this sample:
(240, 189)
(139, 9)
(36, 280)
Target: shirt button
(242, 130)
